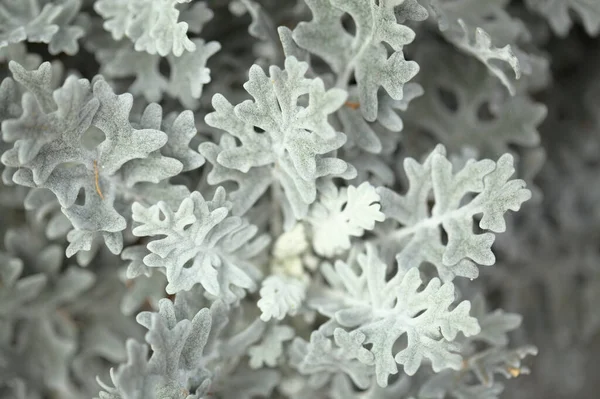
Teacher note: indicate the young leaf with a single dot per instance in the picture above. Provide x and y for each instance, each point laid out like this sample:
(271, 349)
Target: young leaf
(364, 53)
(371, 309)
(479, 188)
(296, 137)
(201, 245)
(339, 215)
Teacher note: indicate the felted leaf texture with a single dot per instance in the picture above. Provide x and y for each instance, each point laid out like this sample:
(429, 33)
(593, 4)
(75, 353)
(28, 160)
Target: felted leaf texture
(341, 214)
(283, 292)
(362, 54)
(184, 79)
(271, 347)
(193, 356)
(315, 257)
(177, 355)
(250, 185)
(152, 25)
(321, 359)
(369, 309)
(410, 10)
(480, 188)
(293, 138)
(180, 129)
(380, 137)
(78, 142)
(202, 245)
(41, 22)
(281, 295)
(487, 354)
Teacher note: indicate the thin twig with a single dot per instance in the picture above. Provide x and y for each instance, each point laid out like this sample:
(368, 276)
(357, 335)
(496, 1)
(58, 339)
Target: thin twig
(96, 176)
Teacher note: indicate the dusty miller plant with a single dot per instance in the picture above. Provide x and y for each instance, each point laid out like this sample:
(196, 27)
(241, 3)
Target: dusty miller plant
(283, 199)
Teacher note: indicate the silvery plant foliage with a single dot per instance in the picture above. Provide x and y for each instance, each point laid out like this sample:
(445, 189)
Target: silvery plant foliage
(299, 199)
